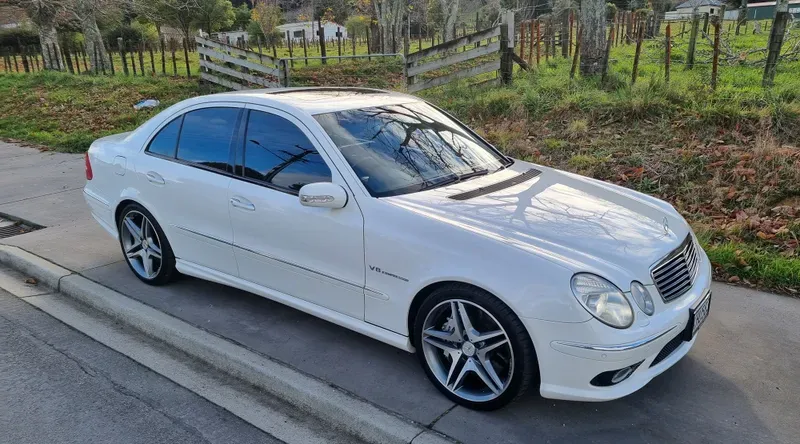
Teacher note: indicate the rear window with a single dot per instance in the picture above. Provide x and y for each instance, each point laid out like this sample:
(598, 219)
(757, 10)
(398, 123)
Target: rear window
(206, 137)
(166, 141)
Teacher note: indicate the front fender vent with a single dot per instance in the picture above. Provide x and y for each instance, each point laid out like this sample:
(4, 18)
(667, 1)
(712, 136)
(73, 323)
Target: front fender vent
(516, 180)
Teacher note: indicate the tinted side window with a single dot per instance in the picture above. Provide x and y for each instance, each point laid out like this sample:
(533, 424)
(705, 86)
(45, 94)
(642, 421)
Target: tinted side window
(166, 141)
(206, 137)
(279, 153)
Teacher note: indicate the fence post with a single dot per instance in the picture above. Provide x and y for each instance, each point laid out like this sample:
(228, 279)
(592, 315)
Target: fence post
(141, 57)
(692, 39)
(305, 47)
(775, 42)
(705, 22)
(522, 39)
(323, 51)
(121, 48)
(172, 45)
(152, 59)
(83, 55)
(530, 47)
(576, 54)
(639, 36)
(571, 22)
(339, 42)
(667, 52)
(715, 57)
(289, 46)
(506, 48)
(369, 50)
(22, 55)
(538, 41)
(185, 56)
(353, 43)
(163, 56)
(608, 51)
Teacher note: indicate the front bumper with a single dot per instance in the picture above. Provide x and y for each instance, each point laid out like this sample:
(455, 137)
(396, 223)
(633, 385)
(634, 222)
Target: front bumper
(572, 354)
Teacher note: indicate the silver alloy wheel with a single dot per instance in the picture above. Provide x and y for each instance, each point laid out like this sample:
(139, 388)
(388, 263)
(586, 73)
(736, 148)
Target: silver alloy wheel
(141, 244)
(467, 350)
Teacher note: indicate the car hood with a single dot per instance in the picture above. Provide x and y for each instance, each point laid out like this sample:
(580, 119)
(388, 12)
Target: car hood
(581, 223)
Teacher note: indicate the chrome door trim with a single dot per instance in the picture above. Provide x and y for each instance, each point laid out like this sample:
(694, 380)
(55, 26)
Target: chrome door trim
(266, 256)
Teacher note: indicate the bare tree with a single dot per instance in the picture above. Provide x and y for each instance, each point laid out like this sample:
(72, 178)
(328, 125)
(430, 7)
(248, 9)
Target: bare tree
(593, 21)
(44, 14)
(390, 22)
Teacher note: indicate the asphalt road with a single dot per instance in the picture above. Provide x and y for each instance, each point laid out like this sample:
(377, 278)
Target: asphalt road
(59, 386)
(740, 383)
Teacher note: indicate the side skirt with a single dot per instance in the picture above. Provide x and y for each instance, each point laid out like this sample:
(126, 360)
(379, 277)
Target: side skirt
(357, 325)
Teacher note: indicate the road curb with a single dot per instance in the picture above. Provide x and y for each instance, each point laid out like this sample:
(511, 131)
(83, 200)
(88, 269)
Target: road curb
(336, 407)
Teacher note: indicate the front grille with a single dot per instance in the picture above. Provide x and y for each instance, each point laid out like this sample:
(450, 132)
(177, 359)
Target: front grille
(668, 349)
(675, 274)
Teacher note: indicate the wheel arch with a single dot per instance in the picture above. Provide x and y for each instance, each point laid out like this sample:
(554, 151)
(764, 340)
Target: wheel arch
(426, 291)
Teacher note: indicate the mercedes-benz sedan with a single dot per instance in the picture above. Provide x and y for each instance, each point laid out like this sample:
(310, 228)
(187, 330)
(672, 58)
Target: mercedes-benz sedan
(382, 213)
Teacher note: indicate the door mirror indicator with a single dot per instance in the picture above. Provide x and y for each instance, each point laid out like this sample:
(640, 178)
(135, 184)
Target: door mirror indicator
(323, 195)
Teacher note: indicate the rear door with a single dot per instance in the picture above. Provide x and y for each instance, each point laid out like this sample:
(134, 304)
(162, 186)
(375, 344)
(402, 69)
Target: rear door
(184, 176)
(315, 254)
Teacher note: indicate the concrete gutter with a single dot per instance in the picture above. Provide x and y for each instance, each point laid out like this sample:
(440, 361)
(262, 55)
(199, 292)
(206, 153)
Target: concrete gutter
(338, 408)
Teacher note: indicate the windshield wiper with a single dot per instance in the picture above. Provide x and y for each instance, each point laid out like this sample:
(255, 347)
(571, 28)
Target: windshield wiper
(459, 178)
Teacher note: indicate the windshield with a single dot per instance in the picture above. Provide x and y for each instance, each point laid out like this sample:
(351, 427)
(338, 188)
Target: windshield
(399, 149)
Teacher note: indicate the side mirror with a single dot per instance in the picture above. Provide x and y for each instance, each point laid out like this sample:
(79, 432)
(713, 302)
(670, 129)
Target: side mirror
(323, 195)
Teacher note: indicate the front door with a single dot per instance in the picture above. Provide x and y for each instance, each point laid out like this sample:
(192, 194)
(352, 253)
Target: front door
(315, 254)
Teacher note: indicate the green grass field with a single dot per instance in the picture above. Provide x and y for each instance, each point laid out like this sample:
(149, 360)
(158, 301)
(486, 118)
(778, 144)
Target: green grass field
(728, 159)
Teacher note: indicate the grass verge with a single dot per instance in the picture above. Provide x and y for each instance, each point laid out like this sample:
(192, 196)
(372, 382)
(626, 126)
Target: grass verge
(727, 160)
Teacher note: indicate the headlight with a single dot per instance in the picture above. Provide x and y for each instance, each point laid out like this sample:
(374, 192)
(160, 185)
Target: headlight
(642, 298)
(603, 300)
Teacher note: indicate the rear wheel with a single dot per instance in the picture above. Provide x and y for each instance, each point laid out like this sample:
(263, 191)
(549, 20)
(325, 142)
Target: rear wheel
(145, 246)
(473, 348)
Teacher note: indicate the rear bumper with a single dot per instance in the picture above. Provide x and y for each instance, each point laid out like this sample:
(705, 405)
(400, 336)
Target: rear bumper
(572, 354)
(101, 211)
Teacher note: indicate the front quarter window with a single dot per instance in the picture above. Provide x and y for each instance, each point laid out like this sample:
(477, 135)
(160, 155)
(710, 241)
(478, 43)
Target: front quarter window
(405, 148)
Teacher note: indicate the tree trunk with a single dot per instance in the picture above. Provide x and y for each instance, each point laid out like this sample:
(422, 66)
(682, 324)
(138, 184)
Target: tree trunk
(450, 9)
(564, 33)
(390, 18)
(742, 19)
(593, 19)
(95, 49)
(51, 49)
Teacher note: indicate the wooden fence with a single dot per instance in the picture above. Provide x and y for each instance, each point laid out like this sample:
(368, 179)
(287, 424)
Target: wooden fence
(238, 68)
(164, 57)
(488, 50)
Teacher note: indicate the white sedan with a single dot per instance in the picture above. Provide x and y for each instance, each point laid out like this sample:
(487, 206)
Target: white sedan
(383, 214)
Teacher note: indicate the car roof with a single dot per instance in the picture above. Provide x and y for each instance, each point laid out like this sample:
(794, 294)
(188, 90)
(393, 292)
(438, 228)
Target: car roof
(318, 100)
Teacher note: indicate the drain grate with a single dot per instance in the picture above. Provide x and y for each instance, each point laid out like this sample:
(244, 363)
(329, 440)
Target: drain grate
(11, 227)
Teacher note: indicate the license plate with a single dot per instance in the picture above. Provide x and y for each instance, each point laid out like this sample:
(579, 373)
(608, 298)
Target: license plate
(697, 316)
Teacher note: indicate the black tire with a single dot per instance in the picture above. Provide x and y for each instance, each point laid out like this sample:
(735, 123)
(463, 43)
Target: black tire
(166, 271)
(525, 369)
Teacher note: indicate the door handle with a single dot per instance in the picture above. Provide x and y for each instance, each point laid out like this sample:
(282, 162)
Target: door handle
(155, 178)
(241, 202)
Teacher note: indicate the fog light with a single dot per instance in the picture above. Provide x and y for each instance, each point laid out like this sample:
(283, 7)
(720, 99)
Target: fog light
(621, 375)
(613, 377)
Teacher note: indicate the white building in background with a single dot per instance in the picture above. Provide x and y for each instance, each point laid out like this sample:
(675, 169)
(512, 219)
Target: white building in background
(296, 30)
(685, 9)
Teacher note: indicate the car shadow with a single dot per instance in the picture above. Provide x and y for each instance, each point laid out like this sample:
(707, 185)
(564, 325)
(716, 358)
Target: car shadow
(689, 403)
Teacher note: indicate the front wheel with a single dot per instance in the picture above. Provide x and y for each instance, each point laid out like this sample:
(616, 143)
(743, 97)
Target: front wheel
(474, 348)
